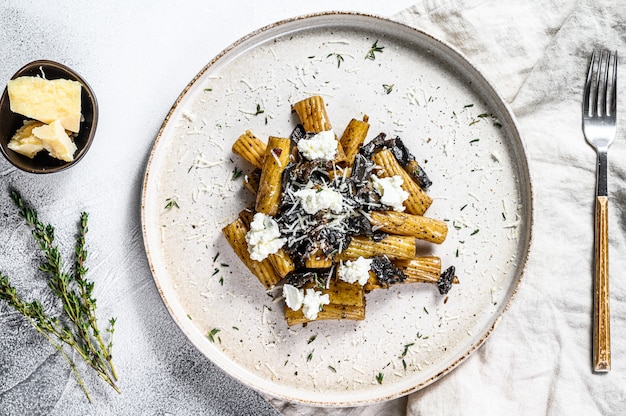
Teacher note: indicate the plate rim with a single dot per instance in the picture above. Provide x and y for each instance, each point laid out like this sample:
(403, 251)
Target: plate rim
(526, 187)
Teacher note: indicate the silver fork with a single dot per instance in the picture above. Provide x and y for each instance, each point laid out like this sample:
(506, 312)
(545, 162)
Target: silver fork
(599, 126)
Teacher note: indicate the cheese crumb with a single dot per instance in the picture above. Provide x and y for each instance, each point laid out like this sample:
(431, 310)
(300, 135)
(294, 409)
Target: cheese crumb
(313, 302)
(264, 237)
(356, 270)
(293, 296)
(321, 146)
(314, 200)
(390, 191)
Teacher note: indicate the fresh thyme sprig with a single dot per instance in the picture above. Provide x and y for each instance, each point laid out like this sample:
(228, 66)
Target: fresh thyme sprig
(77, 327)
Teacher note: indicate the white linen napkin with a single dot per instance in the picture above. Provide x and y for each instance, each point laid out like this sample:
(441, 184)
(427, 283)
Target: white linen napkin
(538, 360)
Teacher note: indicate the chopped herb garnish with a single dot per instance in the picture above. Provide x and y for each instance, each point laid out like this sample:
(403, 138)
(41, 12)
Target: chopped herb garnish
(212, 333)
(404, 364)
(331, 368)
(474, 141)
(215, 271)
(338, 56)
(468, 105)
(379, 378)
(189, 316)
(388, 88)
(216, 256)
(475, 231)
(310, 356)
(483, 115)
(236, 173)
(406, 349)
(503, 217)
(235, 328)
(221, 281)
(171, 203)
(208, 89)
(311, 339)
(371, 54)
(259, 110)
(425, 310)
(463, 207)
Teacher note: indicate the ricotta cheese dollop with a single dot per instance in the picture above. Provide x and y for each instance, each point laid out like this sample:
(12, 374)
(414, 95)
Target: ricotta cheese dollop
(293, 296)
(355, 270)
(314, 200)
(263, 238)
(321, 146)
(390, 191)
(313, 302)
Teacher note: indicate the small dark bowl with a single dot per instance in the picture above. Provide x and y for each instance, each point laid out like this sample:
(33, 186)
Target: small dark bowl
(10, 122)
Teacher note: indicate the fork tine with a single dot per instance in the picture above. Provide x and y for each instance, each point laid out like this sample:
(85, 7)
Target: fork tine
(613, 105)
(587, 95)
(603, 82)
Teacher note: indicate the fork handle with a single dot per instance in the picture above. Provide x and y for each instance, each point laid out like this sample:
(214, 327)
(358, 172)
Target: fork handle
(601, 321)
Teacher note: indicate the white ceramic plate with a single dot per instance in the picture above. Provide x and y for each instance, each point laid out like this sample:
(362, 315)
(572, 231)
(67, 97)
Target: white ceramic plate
(448, 115)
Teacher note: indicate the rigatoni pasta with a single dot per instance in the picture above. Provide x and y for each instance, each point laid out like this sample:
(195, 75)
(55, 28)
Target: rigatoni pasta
(334, 218)
(274, 163)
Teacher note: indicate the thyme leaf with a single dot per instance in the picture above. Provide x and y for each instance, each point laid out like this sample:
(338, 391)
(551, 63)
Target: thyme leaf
(171, 203)
(379, 378)
(212, 333)
(371, 54)
(338, 56)
(236, 173)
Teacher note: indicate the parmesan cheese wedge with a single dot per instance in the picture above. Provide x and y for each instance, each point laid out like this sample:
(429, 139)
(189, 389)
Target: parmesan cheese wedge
(25, 142)
(56, 141)
(47, 100)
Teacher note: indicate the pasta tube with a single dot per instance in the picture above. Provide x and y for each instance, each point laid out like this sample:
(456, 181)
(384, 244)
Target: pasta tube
(270, 184)
(249, 147)
(347, 301)
(318, 260)
(331, 311)
(251, 181)
(282, 263)
(392, 246)
(235, 234)
(401, 223)
(312, 114)
(418, 201)
(353, 137)
(425, 269)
